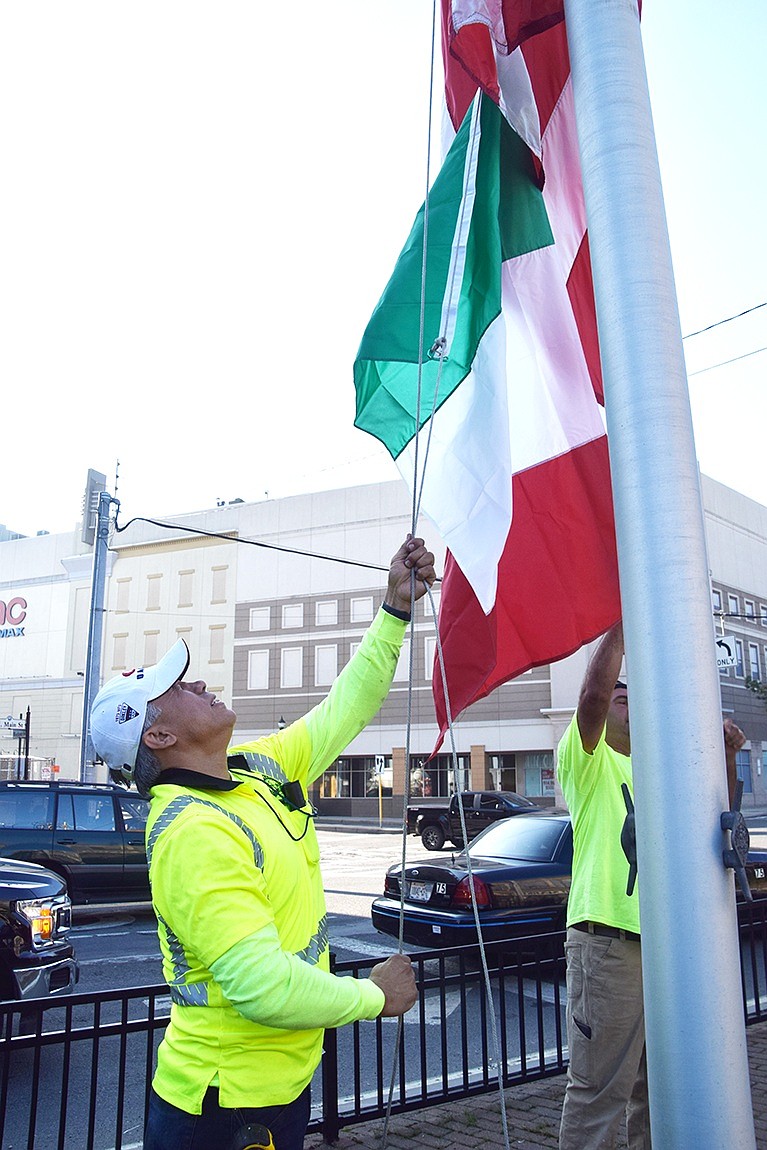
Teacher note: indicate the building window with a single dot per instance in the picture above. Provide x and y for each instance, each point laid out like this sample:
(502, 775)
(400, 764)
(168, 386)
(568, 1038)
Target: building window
(185, 588)
(753, 661)
(75, 714)
(361, 610)
(763, 613)
(153, 585)
(151, 639)
(326, 613)
(354, 777)
(258, 670)
(739, 666)
(217, 635)
(218, 591)
(429, 648)
(293, 615)
(733, 605)
(748, 607)
(353, 649)
(123, 595)
(435, 777)
(503, 771)
(325, 665)
(402, 670)
(118, 651)
(427, 606)
(539, 773)
(716, 600)
(292, 667)
(184, 633)
(743, 767)
(259, 619)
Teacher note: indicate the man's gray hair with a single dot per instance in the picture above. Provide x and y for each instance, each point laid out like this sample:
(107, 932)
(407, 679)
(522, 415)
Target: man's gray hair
(147, 767)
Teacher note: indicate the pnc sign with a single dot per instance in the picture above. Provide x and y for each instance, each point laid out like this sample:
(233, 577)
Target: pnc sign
(12, 615)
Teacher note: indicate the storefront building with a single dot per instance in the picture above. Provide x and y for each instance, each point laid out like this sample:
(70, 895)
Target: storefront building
(273, 598)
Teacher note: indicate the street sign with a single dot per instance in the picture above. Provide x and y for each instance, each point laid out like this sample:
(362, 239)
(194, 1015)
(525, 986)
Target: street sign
(725, 652)
(12, 726)
(380, 763)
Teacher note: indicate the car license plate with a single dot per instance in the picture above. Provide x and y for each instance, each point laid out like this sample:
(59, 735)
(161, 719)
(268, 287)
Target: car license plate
(758, 872)
(421, 891)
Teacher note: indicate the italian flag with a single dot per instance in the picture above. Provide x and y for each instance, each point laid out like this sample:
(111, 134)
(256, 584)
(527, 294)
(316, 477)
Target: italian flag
(503, 390)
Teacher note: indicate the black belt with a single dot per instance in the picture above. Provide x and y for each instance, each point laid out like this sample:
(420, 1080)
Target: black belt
(608, 931)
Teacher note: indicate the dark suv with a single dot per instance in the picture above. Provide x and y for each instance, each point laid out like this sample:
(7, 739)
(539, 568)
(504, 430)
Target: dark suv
(36, 959)
(92, 834)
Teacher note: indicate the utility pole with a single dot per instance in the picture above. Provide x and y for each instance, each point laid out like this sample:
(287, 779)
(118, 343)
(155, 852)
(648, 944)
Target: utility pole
(96, 532)
(27, 726)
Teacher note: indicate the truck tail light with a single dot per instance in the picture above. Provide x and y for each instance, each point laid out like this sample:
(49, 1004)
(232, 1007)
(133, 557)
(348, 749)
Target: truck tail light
(462, 893)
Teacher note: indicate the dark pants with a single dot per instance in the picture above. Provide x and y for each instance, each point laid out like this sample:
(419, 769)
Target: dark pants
(168, 1128)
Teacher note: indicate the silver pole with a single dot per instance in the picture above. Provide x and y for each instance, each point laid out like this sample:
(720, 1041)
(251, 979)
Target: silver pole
(696, 1047)
(95, 633)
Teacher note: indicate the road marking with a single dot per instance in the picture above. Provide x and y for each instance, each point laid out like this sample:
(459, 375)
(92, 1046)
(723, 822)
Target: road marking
(530, 990)
(371, 949)
(432, 1012)
(112, 959)
(161, 1003)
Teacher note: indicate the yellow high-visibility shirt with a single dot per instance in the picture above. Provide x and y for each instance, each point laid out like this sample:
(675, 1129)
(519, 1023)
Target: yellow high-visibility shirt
(591, 785)
(233, 869)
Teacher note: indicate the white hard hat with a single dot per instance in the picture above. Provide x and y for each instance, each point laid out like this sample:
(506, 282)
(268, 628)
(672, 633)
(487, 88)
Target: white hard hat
(119, 710)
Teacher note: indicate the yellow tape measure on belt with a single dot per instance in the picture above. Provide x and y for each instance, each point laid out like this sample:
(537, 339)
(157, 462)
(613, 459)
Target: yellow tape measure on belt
(253, 1137)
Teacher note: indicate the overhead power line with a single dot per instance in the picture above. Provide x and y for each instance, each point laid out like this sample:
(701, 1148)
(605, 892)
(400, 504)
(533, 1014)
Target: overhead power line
(229, 538)
(724, 362)
(729, 319)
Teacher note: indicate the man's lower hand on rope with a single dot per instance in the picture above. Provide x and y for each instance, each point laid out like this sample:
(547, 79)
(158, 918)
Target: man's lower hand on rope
(396, 979)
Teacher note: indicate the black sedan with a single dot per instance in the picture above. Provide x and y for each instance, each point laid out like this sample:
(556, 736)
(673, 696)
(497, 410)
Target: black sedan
(521, 872)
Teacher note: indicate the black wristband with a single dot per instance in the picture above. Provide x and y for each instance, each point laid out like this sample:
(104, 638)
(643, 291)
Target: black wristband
(403, 615)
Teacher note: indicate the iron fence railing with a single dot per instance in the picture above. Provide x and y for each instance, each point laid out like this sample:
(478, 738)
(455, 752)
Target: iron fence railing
(75, 1072)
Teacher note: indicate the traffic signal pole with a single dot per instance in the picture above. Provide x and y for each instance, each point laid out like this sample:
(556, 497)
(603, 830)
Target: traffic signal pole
(95, 633)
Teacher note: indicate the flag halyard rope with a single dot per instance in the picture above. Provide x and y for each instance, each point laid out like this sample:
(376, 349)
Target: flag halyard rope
(439, 351)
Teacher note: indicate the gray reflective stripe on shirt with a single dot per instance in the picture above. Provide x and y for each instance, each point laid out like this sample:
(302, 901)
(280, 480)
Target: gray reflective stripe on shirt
(264, 766)
(193, 994)
(177, 805)
(317, 944)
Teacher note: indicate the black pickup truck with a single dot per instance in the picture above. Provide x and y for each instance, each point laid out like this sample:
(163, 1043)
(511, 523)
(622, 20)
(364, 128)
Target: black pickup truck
(437, 824)
(36, 957)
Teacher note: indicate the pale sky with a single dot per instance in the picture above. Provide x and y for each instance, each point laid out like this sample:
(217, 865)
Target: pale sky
(202, 203)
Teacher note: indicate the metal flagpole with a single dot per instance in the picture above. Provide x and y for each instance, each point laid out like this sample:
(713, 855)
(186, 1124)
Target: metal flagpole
(696, 1047)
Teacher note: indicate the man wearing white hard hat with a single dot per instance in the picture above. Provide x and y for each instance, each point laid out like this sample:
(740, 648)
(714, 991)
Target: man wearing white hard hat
(237, 889)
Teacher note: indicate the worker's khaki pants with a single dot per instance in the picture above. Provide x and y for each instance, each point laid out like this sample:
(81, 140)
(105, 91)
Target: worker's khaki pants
(607, 1076)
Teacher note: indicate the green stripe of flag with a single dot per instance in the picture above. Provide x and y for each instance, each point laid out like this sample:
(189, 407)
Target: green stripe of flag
(485, 208)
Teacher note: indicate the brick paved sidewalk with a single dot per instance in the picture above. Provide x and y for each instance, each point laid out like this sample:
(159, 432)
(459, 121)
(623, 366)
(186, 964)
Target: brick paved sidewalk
(532, 1112)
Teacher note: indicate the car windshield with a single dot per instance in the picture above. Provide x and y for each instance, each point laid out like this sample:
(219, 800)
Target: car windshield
(521, 838)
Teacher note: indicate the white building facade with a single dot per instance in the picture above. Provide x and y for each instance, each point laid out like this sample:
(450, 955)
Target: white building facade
(272, 598)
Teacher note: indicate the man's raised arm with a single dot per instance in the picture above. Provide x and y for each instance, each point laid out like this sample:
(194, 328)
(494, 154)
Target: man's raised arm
(598, 686)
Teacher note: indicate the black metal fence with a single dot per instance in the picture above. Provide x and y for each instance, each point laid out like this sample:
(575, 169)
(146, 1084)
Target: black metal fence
(75, 1072)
